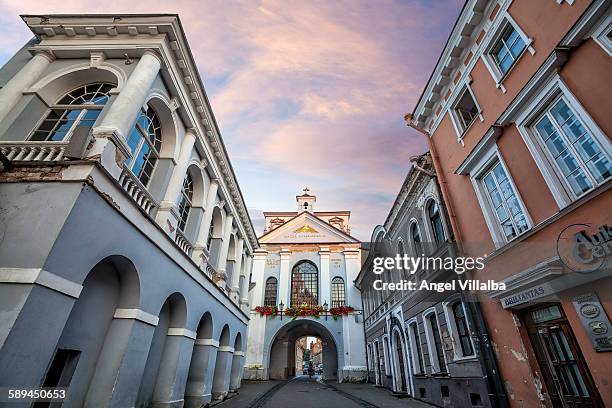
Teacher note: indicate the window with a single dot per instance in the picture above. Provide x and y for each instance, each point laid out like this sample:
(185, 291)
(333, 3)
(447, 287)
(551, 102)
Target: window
(270, 292)
(504, 202)
(184, 204)
(507, 48)
(435, 219)
(144, 143)
(463, 332)
(211, 231)
(434, 340)
(603, 33)
(464, 111)
(415, 344)
(506, 44)
(416, 239)
(78, 109)
(337, 293)
(400, 247)
(304, 284)
(579, 158)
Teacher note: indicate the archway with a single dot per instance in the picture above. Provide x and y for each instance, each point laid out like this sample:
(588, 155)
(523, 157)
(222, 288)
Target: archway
(281, 355)
(92, 343)
(201, 368)
(308, 353)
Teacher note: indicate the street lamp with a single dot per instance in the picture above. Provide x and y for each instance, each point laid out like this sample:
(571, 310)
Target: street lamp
(281, 307)
(325, 305)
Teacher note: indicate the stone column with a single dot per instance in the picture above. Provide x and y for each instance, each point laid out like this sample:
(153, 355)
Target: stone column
(325, 281)
(284, 283)
(235, 284)
(30, 73)
(255, 369)
(176, 183)
(200, 252)
(201, 372)
(236, 372)
(122, 112)
(173, 368)
(352, 326)
(121, 363)
(221, 380)
(227, 232)
(244, 284)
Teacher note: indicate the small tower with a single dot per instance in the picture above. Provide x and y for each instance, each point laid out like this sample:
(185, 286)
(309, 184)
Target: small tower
(306, 201)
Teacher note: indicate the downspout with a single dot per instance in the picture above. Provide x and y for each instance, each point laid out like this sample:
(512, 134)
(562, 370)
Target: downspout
(485, 354)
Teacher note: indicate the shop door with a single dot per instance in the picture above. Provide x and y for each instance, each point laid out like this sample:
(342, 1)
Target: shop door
(565, 372)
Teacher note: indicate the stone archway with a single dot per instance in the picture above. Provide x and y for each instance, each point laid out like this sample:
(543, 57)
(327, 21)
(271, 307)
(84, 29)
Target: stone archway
(281, 356)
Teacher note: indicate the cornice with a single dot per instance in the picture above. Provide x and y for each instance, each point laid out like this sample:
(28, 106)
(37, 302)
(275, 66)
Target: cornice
(164, 34)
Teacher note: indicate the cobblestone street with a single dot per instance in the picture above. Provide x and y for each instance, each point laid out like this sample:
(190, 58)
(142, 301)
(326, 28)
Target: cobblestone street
(305, 392)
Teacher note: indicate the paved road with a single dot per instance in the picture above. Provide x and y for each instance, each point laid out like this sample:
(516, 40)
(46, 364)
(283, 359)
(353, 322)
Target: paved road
(305, 392)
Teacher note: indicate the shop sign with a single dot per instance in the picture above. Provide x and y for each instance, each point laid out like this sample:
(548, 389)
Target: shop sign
(583, 252)
(525, 296)
(595, 321)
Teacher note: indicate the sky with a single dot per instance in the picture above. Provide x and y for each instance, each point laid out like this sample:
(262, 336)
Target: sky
(306, 93)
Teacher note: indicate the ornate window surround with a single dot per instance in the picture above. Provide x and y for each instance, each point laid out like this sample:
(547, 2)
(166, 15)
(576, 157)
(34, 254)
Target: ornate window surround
(431, 346)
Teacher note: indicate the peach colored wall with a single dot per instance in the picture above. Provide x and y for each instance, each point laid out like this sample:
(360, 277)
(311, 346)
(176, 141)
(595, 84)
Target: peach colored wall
(587, 73)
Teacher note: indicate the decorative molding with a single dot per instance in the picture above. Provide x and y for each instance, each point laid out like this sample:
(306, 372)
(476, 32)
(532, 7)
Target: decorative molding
(137, 314)
(174, 331)
(207, 342)
(41, 277)
(227, 349)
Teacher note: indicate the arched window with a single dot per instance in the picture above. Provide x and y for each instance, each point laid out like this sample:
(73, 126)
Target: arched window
(144, 142)
(211, 231)
(304, 284)
(416, 239)
(76, 111)
(337, 292)
(435, 219)
(184, 204)
(463, 332)
(270, 292)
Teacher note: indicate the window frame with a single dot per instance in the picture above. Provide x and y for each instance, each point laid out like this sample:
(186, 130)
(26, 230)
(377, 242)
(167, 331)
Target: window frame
(456, 119)
(144, 138)
(487, 57)
(417, 346)
(490, 158)
(335, 282)
(431, 345)
(183, 211)
(268, 280)
(451, 323)
(83, 109)
(316, 281)
(601, 31)
(414, 225)
(552, 90)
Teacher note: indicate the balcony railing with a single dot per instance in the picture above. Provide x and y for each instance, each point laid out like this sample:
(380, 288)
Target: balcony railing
(210, 271)
(137, 191)
(183, 242)
(34, 151)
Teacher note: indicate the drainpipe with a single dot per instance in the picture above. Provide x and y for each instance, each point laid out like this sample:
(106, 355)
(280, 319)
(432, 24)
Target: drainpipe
(485, 354)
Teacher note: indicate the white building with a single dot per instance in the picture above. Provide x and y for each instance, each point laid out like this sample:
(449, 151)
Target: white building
(306, 258)
(126, 244)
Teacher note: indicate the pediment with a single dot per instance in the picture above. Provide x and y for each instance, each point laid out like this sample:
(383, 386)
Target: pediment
(305, 228)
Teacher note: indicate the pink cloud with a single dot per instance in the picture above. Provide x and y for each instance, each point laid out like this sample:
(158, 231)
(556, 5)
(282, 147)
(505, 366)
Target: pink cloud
(304, 92)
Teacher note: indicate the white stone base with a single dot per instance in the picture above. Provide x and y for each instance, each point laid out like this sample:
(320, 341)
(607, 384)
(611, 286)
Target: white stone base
(255, 374)
(354, 374)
